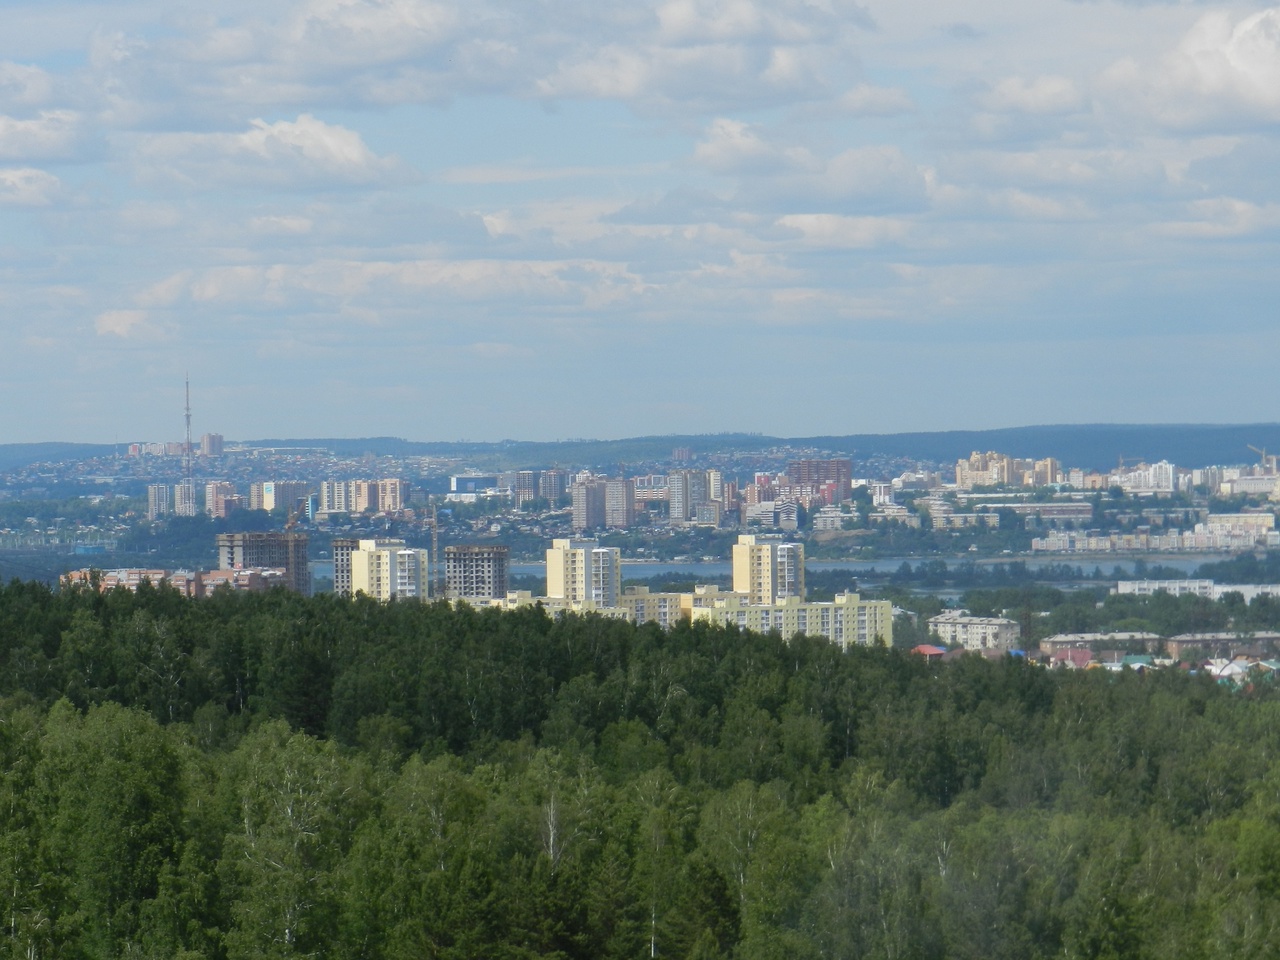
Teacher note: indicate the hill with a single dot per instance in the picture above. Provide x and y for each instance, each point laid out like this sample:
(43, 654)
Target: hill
(24, 454)
(1092, 446)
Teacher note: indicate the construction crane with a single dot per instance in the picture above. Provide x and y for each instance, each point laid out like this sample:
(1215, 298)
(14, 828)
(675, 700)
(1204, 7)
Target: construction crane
(1268, 463)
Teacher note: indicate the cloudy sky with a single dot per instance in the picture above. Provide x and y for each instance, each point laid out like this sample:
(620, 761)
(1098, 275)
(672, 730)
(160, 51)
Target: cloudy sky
(545, 219)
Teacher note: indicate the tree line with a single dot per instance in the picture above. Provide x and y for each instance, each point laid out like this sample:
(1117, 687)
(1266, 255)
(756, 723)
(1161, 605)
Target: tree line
(278, 776)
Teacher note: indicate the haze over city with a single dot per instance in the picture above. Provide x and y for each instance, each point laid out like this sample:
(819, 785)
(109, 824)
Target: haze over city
(606, 219)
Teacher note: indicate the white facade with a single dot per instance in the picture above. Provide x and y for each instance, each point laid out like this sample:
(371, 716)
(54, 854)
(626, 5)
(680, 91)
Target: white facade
(157, 501)
(1199, 588)
(582, 571)
(184, 499)
(767, 571)
(848, 621)
(976, 633)
(388, 569)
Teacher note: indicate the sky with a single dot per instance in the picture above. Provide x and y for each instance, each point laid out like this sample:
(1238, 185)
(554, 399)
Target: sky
(552, 219)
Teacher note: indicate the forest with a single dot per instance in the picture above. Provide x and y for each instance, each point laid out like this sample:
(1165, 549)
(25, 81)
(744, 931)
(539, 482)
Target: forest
(269, 775)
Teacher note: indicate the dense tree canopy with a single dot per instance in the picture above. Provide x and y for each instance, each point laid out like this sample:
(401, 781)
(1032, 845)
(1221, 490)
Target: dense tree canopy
(273, 776)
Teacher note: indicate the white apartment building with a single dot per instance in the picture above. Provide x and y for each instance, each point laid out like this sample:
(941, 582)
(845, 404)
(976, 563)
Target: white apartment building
(582, 571)
(157, 501)
(976, 633)
(184, 499)
(767, 571)
(389, 570)
(1198, 588)
(847, 621)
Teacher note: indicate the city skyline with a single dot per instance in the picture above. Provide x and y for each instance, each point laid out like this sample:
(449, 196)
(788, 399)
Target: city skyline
(436, 220)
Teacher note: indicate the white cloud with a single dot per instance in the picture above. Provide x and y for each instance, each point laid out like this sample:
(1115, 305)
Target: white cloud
(361, 32)
(149, 216)
(282, 225)
(167, 292)
(363, 285)
(51, 134)
(711, 165)
(1043, 95)
(632, 72)
(108, 50)
(731, 146)
(125, 324)
(23, 85)
(27, 187)
(871, 101)
(1024, 205)
(1223, 72)
(1223, 217)
(684, 52)
(488, 174)
(775, 21)
(833, 231)
(306, 151)
(791, 178)
(878, 176)
(244, 282)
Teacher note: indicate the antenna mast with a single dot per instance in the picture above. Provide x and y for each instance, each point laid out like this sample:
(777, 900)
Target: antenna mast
(189, 476)
(187, 506)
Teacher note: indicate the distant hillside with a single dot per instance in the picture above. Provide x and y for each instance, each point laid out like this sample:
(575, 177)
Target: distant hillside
(1092, 446)
(23, 454)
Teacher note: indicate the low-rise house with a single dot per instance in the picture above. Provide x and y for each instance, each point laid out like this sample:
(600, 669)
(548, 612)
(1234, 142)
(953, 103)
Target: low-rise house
(1075, 658)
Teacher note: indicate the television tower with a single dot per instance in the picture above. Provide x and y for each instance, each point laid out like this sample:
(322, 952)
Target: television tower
(187, 466)
(186, 501)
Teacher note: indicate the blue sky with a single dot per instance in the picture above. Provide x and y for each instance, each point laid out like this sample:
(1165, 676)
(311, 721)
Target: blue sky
(562, 218)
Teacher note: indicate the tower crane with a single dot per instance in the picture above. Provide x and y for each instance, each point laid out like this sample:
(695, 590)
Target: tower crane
(1268, 463)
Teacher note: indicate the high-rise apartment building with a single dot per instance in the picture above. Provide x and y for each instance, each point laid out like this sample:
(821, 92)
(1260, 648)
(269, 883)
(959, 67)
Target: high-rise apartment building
(390, 570)
(391, 495)
(686, 490)
(335, 497)
(1047, 471)
(619, 504)
(476, 572)
(291, 496)
(699, 490)
(211, 445)
(581, 571)
(363, 497)
(553, 484)
(993, 469)
(768, 571)
(158, 501)
(343, 548)
(276, 495)
(817, 472)
(221, 499)
(715, 485)
(286, 551)
(588, 504)
(526, 486)
(184, 499)
(680, 495)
